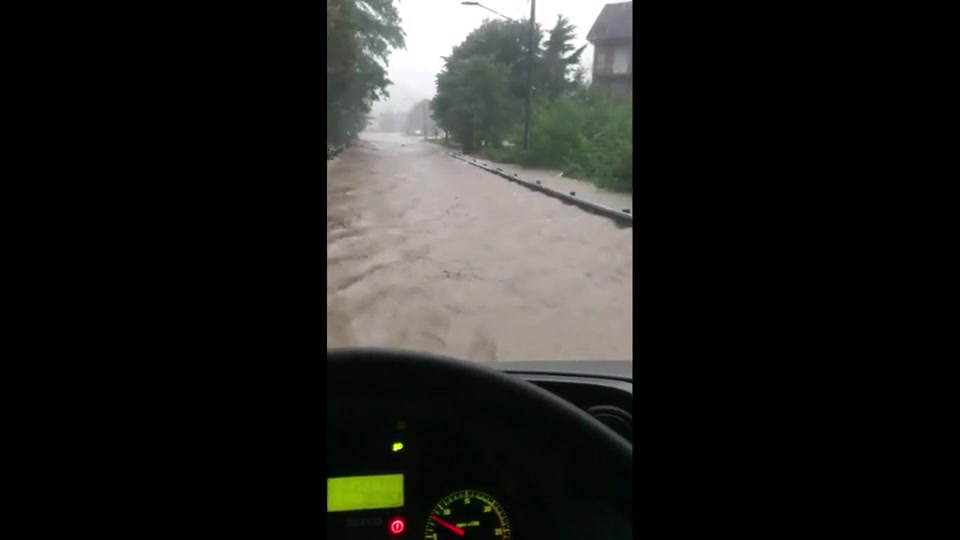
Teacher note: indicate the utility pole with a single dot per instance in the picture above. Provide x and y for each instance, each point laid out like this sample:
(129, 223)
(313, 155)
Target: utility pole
(530, 54)
(425, 120)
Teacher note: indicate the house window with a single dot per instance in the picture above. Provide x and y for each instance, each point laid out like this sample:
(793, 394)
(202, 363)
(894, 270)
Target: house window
(601, 59)
(621, 59)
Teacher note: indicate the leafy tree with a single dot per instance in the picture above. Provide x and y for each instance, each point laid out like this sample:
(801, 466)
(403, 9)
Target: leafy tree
(360, 36)
(505, 43)
(472, 101)
(481, 90)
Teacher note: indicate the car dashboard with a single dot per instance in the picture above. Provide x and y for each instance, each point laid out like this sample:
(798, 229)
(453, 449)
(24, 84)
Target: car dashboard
(416, 473)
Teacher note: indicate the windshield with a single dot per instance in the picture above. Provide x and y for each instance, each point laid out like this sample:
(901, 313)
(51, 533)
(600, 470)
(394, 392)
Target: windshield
(479, 197)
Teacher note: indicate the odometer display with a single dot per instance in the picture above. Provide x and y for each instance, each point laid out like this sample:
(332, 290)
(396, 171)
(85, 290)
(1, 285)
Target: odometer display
(468, 514)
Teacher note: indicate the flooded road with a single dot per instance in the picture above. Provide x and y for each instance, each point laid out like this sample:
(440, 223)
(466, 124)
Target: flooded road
(428, 253)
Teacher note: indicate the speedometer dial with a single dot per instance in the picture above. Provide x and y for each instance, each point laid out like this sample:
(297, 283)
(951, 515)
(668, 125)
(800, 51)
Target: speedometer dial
(468, 514)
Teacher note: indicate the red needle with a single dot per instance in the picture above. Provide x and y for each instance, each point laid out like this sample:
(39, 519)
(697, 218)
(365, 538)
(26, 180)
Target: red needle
(450, 526)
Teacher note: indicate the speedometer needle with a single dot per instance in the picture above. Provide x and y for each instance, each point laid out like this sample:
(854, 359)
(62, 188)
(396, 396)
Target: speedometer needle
(450, 526)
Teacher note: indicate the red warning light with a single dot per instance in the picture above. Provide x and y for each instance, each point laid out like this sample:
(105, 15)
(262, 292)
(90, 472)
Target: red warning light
(397, 525)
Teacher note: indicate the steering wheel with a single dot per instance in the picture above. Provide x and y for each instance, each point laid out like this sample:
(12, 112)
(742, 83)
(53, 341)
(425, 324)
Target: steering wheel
(595, 457)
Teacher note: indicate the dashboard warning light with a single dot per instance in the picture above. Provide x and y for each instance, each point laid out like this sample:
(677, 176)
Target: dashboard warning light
(397, 446)
(397, 525)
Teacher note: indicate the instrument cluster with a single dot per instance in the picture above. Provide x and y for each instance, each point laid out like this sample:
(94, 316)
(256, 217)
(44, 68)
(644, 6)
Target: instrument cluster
(410, 481)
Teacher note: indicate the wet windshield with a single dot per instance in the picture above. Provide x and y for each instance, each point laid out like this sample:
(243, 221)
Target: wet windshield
(479, 197)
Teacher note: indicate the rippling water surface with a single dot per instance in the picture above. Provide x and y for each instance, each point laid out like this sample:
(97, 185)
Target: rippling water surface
(428, 253)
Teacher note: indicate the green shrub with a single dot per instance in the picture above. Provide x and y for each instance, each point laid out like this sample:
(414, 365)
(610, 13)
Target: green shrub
(589, 138)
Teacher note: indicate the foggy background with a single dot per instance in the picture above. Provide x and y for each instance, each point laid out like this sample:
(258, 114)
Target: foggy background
(434, 27)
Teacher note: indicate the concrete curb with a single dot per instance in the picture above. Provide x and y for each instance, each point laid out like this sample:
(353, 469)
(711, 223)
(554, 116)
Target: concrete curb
(619, 216)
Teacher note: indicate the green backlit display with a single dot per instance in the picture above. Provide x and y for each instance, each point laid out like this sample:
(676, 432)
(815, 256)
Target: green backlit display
(364, 492)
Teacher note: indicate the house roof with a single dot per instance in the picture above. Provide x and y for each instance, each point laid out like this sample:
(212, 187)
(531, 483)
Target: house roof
(614, 22)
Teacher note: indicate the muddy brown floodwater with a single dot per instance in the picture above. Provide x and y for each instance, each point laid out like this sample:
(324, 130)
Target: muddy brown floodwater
(428, 253)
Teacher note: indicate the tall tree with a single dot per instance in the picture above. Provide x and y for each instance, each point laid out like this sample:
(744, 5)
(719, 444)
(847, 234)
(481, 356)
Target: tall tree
(498, 49)
(559, 60)
(481, 89)
(360, 36)
(472, 101)
(505, 43)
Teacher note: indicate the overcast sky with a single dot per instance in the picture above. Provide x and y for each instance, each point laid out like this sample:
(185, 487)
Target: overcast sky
(434, 27)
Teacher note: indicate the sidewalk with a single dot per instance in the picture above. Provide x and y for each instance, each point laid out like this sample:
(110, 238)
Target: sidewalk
(584, 189)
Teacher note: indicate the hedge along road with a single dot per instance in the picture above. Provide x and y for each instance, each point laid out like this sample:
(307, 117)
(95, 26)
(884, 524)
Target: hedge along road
(428, 253)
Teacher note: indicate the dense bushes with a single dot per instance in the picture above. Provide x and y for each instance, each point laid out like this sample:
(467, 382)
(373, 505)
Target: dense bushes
(588, 137)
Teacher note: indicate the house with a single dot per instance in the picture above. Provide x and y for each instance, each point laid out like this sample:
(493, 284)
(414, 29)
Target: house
(612, 38)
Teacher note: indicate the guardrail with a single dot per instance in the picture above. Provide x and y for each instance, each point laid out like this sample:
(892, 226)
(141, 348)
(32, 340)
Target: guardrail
(622, 217)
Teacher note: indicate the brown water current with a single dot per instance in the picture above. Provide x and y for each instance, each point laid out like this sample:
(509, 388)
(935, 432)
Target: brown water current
(428, 253)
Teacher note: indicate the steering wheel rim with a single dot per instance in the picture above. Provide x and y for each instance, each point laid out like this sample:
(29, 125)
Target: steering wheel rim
(402, 374)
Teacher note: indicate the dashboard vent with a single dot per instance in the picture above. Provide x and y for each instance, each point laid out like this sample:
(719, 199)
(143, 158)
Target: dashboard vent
(615, 418)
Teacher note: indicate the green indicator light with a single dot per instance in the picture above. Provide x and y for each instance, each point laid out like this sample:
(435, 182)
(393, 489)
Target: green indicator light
(397, 446)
